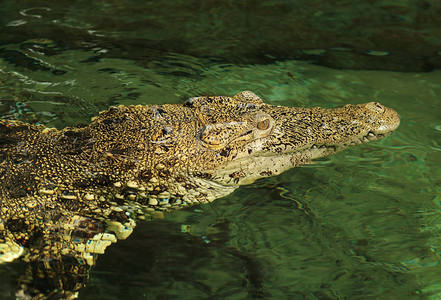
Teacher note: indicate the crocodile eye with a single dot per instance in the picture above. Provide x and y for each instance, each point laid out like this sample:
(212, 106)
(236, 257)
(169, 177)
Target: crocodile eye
(263, 125)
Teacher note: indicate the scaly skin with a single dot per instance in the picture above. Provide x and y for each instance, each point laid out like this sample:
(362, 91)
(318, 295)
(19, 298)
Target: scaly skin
(62, 191)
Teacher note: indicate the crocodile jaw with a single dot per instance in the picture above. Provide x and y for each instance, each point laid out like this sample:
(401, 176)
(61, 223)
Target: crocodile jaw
(248, 169)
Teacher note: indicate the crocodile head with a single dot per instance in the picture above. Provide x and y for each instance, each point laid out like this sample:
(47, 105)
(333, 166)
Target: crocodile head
(246, 139)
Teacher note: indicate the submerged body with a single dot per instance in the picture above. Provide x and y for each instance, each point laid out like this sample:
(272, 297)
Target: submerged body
(64, 190)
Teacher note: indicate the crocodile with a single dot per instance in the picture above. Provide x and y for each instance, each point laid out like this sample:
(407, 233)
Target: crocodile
(70, 193)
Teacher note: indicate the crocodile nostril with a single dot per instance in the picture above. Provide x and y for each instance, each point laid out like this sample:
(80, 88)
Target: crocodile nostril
(379, 106)
(376, 107)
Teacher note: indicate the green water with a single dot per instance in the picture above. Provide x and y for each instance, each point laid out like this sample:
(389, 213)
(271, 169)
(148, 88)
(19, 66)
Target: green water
(362, 224)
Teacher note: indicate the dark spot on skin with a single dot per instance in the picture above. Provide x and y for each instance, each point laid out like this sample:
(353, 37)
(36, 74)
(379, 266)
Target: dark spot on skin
(164, 173)
(246, 106)
(113, 109)
(164, 148)
(225, 152)
(158, 189)
(21, 157)
(8, 141)
(102, 180)
(189, 102)
(118, 216)
(87, 229)
(21, 183)
(66, 193)
(109, 121)
(16, 225)
(205, 109)
(167, 130)
(203, 175)
(250, 151)
(144, 202)
(72, 133)
(188, 186)
(247, 133)
(210, 99)
(96, 180)
(118, 201)
(180, 179)
(129, 191)
(118, 150)
(237, 176)
(158, 112)
(266, 173)
(11, 134)
(50, 186)
(201, 101)
(145, 175)
(83, 183)
(75, 142)
(17, 193)
(35, 238)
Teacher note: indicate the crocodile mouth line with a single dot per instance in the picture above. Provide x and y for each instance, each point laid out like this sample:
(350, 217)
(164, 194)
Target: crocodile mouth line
(371, 136)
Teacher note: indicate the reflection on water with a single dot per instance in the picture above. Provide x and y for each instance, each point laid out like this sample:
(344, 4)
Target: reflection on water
(401, 35)
(363, 223)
